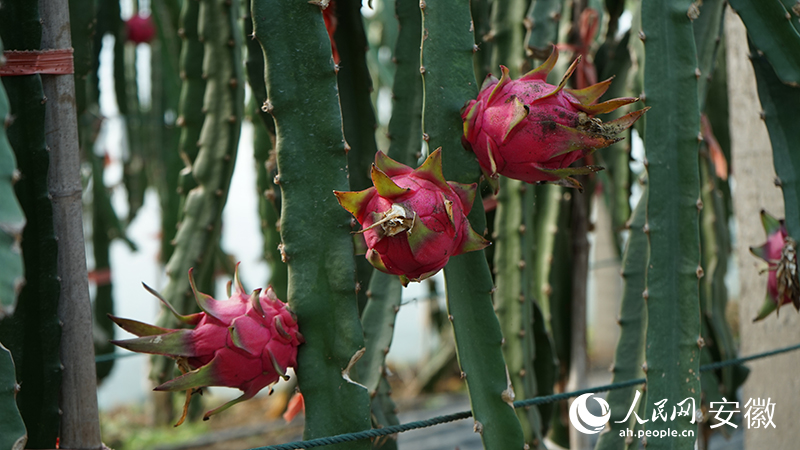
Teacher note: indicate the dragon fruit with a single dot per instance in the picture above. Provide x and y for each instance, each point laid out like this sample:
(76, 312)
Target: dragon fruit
(780, 253)
(246, 342)
(532, 131)
(140, 29)
(413, 220)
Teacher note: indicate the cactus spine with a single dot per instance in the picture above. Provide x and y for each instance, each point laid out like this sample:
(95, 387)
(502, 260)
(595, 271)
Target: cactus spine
(671, 143)
(311, 157)
(448, 81)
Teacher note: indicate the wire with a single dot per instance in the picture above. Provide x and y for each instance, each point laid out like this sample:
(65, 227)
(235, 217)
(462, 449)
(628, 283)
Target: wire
(438, 420)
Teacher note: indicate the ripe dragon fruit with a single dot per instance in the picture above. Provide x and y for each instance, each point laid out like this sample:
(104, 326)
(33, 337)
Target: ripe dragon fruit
(533, 131)
(140, 29)
(780, 253)
(413, 220)
(246, 342)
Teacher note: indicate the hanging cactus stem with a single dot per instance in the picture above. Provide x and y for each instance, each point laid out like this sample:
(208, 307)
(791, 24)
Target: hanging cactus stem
(312, 161)
(448, 82)
(673, 354)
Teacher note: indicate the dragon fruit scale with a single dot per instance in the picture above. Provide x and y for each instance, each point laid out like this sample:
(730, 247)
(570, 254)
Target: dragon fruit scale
(532, 131)
(780, 253)
(413, 221)
(245, 342)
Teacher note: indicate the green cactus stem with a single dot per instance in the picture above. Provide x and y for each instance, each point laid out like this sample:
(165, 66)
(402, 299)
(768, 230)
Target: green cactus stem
(448, 82)
(629, 354)
(378, 319)
(134, 163)
(773, 31)
(269, 195)
(509, 253)
(14, 435)
(384, 293)
(613, 59)
(708, 32)
(82, 24)
(255, 72)
(720, 201)
(542, 23)
(671, 144)
(358, 117)
(12, 219)
(191, 113)
(33, 332)
(717, 336)
(106, 227)
(508, 297)
(311, 157)
(482, 59)
(559, 297)
(165, 98)
(101, 242)
(405, 126)
(384, 412)
(269, 204)
(778, 100)
(197, 239)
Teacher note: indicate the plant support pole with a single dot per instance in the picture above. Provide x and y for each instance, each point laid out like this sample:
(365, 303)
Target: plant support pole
(80, 428)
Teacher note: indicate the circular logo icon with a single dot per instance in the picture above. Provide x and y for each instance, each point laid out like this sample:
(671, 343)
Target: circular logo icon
(579, 415)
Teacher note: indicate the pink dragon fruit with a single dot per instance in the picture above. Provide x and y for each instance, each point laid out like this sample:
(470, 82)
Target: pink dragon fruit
(780, 253)
(246, 342)
(140, 29)
(413, 220)
(533, 131)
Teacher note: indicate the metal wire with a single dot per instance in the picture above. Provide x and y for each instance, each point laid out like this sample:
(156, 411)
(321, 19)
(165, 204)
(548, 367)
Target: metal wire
(438, 420)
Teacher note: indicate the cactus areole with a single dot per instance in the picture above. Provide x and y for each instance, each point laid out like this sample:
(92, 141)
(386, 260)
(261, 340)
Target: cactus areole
(780, 253)
(246, 342)
(532, 131)
(413, 220)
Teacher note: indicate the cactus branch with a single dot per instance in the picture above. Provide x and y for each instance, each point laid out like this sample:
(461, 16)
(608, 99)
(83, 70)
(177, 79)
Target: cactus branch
(629, 354)
(448, 82)
(301, 87)
(671, 143)
(770, 27)
(779, 102)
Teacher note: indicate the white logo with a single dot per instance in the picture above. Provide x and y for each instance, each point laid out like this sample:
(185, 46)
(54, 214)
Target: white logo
(578, 409)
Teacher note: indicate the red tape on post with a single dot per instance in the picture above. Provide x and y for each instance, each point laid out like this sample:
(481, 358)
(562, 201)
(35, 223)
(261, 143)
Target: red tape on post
(47, 62)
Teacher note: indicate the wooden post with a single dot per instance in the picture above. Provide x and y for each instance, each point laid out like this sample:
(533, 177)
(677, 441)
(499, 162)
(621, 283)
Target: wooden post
(80, 427)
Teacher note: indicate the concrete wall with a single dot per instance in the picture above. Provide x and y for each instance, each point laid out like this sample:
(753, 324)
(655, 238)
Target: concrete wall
(754, 175)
